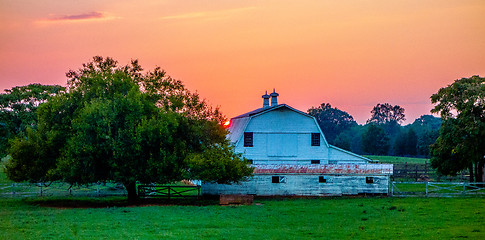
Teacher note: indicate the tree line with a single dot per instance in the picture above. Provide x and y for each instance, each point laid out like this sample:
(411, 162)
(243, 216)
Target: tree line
(382, 134)
(455, 141)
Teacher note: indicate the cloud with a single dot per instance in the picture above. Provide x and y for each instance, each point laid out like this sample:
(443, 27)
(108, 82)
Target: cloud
(208, 14)
(84, 17)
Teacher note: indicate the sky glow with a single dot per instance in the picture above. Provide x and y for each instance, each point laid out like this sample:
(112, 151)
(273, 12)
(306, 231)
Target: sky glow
(351, 54)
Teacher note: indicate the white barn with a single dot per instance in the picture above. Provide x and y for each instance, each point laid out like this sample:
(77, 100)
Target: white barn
(292, 157)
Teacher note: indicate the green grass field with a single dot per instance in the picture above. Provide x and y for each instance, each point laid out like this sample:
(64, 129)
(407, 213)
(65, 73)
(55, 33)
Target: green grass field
(394, 159)
(324, 218)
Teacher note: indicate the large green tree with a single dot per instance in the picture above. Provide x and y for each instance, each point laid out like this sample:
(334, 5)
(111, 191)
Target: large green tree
(461, 143)
(116, 123)
(17, 109)
(332, 121)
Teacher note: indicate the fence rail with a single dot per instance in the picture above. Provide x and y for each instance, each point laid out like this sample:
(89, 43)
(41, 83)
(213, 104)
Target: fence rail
(60, 189)
(95, 190)
(437, 189)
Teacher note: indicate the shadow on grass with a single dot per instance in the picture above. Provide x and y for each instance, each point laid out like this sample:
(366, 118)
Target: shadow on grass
(108, 202)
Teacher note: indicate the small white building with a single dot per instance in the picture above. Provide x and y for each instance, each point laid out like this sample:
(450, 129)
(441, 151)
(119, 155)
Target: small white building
(292, 157)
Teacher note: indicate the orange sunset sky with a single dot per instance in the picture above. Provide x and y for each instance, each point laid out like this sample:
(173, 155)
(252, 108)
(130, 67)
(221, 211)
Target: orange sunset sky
(352, 54)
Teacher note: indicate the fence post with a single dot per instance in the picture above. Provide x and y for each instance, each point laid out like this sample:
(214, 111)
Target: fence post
(427, 189)
(13, 188)
(426, 168)
(169, 192)
(416, 172)
(406, 168)
(464, 188)
(97, 188)
(41, 190)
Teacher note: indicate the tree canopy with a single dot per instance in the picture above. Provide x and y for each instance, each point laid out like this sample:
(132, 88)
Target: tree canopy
(17, 109)
(386, 113)
(427, 129)
(117, 123)
(461, 142)
(332, 121)
(375, 140)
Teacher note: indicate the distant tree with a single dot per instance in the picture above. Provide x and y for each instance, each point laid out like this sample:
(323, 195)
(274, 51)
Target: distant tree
(425, 140)
(356, 133)
(331, 120)
(461, 143)
(399, 146)
(375, 141)
(427, 130)
(344, 141)
(427, 122)
(119, 124)
(411, 142)
(17, 109)
(386, 113)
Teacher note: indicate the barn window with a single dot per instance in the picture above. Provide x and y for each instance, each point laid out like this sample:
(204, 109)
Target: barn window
(369, 179)
(315, 139)
(248, 139)
(322, 179)
(278, 179)
(315, 161)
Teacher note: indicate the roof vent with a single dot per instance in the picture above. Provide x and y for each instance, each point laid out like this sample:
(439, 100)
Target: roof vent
(274, 100)
(266, 100)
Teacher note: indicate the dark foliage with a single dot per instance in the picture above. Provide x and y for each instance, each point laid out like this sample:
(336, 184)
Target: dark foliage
(331, 120)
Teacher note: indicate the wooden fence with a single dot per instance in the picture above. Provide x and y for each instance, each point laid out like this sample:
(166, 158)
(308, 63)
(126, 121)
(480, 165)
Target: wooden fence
(60, 189)
(423, 173)
(163, 191)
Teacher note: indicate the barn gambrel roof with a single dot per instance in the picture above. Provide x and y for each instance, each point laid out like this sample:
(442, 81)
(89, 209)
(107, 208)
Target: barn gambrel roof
(239, 123)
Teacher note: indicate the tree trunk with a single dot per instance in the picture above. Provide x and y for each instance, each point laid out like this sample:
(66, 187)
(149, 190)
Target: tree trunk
(131, 189)
(479, 171)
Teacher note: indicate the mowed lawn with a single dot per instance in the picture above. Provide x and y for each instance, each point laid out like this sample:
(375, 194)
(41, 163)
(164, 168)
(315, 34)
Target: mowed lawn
(321, 218)
(397, 160)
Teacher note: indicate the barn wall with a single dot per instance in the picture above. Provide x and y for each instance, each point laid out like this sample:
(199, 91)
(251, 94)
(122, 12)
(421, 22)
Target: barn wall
(343, 157)
(283, 136)
(303, 185)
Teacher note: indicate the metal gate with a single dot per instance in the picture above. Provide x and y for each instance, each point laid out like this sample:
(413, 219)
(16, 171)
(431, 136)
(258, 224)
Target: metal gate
(164, 191)
(437, 189)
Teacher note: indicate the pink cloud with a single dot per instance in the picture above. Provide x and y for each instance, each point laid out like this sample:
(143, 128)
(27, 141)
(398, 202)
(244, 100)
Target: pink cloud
(75, 18)
(84, 16)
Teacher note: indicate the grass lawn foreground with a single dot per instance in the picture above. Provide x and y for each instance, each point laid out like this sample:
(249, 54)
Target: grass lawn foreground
(327, 218)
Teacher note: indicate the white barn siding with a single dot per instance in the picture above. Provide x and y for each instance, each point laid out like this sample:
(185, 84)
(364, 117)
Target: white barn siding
(303, 180)
(302, 185)
(283, 136)
(341, 156)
